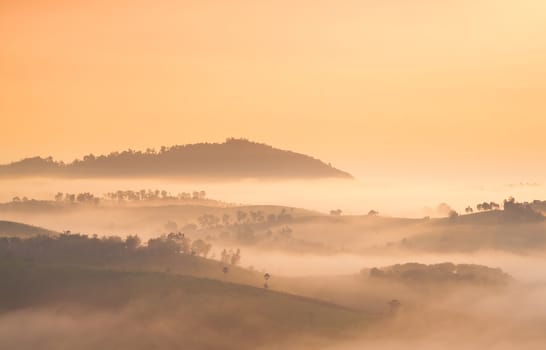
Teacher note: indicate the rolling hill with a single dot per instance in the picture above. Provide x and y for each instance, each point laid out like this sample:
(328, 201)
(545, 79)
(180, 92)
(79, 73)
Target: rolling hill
(144, 310)
(16, 229)
(235, 158)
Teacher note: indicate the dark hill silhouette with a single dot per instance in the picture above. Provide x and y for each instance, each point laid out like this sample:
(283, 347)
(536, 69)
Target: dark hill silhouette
(235, 158)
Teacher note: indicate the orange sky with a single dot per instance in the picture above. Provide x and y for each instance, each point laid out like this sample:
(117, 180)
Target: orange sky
(382, 84)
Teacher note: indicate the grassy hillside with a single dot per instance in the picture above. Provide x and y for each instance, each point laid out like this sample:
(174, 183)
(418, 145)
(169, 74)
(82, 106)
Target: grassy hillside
(517, 228)
(233, 316)
(16, 229)
(143, 220)
(519, 238)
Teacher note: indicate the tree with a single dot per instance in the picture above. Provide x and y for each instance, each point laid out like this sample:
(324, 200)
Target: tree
(271, 218)
(241, 215)
(181, 241)
(225, 219)
(236, 258)
(132, 242)
(283, 216)
(484, 206)
(208, 220)
(201, 247)
(163, 246)
(285, 232)
(336, 212)
(469, 210)
(85, 197)
(444, 209)
(375, 272)
(267, 276)
(394, 305)
(224, 256)
(373, 213)
(257, 216)
(515, 211)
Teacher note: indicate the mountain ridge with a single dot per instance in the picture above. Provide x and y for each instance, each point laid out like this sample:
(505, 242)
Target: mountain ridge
(235, 158)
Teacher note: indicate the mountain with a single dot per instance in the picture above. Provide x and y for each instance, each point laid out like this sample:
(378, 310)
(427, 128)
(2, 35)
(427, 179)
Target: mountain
(235, 158)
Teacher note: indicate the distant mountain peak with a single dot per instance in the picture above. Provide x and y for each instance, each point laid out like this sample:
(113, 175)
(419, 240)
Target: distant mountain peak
(234, 158)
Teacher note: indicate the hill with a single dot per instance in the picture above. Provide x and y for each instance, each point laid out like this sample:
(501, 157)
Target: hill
(235, 158)
(143, 310)
(15, 229)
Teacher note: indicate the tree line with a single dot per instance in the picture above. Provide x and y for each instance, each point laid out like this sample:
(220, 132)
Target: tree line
(443, 272)
(120, 196)
(79, 248)
(242, 217)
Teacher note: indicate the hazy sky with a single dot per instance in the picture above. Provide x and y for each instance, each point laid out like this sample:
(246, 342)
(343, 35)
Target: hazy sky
(364, 84)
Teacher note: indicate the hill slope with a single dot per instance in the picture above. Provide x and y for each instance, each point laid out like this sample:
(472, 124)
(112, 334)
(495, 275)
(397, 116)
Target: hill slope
(143, 310)
(235, 158)
(16, 229)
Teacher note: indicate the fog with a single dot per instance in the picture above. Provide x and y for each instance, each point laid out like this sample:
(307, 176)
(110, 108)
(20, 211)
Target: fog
(393, 197)
(526, 268)
(88, 292)
(433, 317)
(510, 320)
(136, 213)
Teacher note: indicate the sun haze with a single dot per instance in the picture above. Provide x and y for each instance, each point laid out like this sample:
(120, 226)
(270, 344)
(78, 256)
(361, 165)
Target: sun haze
(272, 174)
(367, 82)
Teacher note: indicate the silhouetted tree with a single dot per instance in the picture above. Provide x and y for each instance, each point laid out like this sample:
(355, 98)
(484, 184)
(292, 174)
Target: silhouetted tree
(236, 258)
(444, 209)
(241, 215)
(225, 219)
(267, 276)
(201, 247)
(271, 218)
(132, 242)
(394, 305)
(225, 257)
